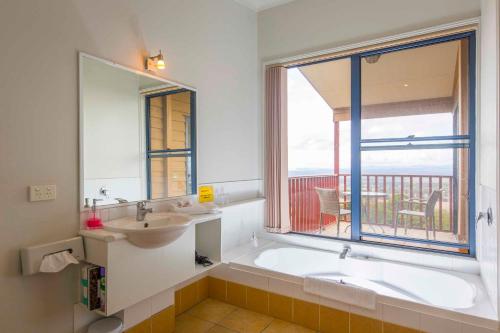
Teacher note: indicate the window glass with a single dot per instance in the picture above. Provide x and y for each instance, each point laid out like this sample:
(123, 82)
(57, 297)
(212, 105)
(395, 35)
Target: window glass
(414, 147)
(319, 148)
(170, 177)
(169, 144)
(417, 92)
(420, 194)
(169, 120)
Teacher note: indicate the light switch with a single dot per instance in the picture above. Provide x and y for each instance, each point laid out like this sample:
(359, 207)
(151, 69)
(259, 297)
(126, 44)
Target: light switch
(42, 192)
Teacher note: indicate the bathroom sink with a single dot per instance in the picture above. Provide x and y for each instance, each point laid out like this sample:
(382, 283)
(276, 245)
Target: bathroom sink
(157, 229)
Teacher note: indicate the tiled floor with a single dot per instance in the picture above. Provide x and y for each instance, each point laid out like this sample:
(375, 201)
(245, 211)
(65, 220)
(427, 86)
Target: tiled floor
(217, 317)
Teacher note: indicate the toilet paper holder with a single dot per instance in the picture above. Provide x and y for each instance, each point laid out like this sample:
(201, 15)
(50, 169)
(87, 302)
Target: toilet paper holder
(31, 257)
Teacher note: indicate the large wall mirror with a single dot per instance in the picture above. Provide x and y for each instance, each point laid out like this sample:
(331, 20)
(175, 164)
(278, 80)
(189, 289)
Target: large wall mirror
(137, 135)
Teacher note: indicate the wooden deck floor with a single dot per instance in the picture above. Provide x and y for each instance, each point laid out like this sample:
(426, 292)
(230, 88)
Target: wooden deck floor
(345, 232)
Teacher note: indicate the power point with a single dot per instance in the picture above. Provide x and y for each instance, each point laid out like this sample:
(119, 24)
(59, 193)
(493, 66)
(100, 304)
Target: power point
(42, 192)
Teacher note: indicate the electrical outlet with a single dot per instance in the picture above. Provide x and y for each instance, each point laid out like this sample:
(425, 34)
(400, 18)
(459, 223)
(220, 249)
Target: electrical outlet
(42, 192)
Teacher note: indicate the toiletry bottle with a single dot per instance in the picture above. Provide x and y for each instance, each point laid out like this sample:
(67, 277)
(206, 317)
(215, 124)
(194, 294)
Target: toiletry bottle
(94, 221)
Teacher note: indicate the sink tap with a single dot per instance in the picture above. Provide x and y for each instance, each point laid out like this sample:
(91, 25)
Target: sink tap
(345, 251)
(142, 210)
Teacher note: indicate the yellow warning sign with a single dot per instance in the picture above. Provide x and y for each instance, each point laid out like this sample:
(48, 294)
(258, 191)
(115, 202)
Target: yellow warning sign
(206, 194)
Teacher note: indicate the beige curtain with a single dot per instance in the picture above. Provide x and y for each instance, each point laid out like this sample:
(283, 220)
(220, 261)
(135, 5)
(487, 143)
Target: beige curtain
(276, 162)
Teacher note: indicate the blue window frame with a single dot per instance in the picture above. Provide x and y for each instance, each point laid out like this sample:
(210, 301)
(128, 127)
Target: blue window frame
(451, 142)
(189, 152)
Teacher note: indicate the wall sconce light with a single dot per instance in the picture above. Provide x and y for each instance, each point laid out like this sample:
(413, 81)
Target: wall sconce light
(155, 62)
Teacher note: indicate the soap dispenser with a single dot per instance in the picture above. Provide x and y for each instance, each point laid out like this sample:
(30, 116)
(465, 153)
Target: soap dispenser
(94, 221)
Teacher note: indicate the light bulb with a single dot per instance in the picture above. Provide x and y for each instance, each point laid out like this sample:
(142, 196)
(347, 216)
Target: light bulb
(160, 64)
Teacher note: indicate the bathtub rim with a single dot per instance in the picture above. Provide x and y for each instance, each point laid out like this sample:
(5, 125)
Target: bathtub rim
(481, 314)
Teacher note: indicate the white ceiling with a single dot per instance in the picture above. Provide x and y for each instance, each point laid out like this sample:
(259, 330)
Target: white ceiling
(258, 5)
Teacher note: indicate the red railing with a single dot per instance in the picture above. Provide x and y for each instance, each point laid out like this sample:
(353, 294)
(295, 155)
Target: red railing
(304, 202)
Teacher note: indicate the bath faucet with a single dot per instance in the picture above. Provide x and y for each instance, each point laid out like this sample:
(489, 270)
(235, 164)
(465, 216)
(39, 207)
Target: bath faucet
(142, 210)
(345, 251)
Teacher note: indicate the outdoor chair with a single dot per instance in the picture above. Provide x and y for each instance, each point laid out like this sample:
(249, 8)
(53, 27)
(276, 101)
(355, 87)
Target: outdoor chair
(330, 204)
(427, 213)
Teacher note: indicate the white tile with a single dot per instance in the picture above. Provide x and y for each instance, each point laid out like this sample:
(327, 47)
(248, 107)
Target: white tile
(334, 304)
(487, 244)
(433, 324)
(484, 309)
(400, 316)
(290, 289)
(470, 266)
(162, 300)
(225, 272)
(104, 214)
(282, 287)
(190, 281)
(466, 328)
(239, 190)
(375, 314)
(220, 272)
(248, 279)
(137, 313)
(122, 211)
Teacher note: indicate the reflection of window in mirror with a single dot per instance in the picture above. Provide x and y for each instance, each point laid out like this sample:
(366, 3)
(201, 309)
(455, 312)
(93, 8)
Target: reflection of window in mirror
(169, 137)
(138, 135)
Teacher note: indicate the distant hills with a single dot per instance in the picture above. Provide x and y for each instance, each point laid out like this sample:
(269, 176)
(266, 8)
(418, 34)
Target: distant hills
(407, 170)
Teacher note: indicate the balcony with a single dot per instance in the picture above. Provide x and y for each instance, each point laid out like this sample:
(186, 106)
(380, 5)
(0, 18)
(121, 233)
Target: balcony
(377, 211)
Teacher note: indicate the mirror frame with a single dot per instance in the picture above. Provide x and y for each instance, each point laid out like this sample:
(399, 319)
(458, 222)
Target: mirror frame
(81, 143)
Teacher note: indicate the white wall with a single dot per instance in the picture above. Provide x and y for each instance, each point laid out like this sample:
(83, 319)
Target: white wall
(488, 146)
(211, 45)
(305, 25)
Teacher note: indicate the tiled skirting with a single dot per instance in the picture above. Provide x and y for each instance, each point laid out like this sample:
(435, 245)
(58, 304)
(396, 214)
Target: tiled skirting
(185, 298)
(278, 303)
(310, 315)
(303, 313)
(161, 322)
(292, 300)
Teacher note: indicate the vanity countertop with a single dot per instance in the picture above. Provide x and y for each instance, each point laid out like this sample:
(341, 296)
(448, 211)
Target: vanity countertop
(109, 236)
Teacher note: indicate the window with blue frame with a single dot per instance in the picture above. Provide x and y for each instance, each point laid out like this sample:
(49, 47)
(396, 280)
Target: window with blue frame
(170, 134)
(381, 145)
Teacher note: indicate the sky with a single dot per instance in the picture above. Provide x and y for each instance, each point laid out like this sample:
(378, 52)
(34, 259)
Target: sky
(310, 135)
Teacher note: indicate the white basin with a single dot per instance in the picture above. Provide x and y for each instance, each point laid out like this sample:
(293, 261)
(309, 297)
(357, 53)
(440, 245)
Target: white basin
(157, 229)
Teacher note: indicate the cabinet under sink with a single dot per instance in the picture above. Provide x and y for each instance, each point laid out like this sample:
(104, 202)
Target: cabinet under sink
(134, 273)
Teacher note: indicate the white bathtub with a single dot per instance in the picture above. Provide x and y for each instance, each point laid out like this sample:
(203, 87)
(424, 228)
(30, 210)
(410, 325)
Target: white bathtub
(425, 289)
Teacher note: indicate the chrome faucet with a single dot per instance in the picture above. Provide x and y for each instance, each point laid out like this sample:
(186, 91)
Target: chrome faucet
(345, 251)
(142, 210)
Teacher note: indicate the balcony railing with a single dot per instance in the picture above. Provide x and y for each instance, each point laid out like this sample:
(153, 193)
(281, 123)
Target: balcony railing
(380, 210)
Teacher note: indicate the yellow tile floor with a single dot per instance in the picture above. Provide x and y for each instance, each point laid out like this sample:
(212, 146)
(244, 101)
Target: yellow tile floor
(214, 316)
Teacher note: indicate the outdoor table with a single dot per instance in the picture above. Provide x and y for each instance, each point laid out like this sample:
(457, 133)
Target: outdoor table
(369, 195)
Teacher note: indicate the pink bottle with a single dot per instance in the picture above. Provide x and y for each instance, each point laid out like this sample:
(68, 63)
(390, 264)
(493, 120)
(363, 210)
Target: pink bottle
(94, 221)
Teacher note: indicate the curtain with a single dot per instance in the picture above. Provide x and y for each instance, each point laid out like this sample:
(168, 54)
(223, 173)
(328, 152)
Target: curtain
(276, 161)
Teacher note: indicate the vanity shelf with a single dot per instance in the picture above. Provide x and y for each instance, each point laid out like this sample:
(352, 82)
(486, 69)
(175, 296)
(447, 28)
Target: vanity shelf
(134, 274)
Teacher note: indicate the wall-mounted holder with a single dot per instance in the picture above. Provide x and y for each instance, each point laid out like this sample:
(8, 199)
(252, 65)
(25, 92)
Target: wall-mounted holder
(31, 257)
(488, 215)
